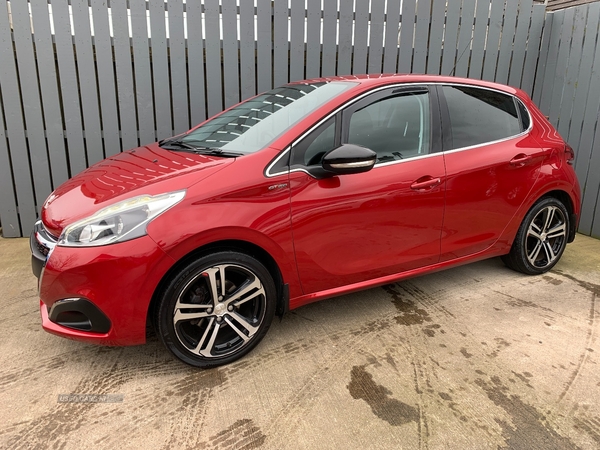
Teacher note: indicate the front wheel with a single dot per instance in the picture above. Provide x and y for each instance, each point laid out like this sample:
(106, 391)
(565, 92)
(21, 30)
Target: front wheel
(541, 239)
(216, 309)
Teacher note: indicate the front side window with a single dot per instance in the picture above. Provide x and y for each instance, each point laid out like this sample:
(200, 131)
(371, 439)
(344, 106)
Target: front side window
(478, 115)
(255, 123)
(395, 127)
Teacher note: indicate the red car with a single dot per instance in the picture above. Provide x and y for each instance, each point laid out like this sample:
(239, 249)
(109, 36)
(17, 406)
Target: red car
(314, 189)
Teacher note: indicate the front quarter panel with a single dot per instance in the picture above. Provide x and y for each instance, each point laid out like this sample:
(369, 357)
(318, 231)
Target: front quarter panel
(239, 204)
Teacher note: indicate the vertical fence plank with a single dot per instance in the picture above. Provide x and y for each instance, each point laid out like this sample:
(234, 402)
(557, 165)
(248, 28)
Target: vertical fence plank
(280, 42)
(247, 51)
(479, 38)
(465, 38)
(438, 15)
(407, 28)
(88, 88)
(550, 65)
(313, 37)
(561, 65)
(572, 72)
(591, 189)
(533, 48)
(68, 86)
(177, 61)
(582, 90)
(32, 110)
(490, 61)
(329, 28)
(213, 57)
(13, 117)
(9, 219)
(518, 58)
(143, 82)
(125, 89)
(106, 78)
(264, 27)
(543, 58)
(507, 41)
(344, 59)
(421, 37)
(297, 16)
(392, 22)
(361, 33)
(231, 80)
(195, 53)
(583, 150)
(375, 49)
(160, 69)
(48, 86)
(450, 37)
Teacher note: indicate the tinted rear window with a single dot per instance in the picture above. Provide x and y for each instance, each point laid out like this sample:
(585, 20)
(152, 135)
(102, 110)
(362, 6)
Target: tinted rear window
(478, 115)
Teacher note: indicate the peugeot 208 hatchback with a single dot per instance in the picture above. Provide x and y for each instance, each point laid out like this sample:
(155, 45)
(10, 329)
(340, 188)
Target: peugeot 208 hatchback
(314, 189)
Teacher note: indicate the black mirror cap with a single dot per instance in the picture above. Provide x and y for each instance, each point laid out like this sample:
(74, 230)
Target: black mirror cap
(349, 158)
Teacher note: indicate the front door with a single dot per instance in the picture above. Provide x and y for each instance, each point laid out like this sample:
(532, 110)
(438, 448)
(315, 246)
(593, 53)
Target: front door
(352, 228)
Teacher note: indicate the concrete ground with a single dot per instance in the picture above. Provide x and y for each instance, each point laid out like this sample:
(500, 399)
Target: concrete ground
(471, 358)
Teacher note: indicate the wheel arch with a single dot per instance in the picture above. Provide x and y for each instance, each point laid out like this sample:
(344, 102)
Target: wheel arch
(236, 245)
(564, 197)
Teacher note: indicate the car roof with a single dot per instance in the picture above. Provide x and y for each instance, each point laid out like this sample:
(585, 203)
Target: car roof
(374, 80)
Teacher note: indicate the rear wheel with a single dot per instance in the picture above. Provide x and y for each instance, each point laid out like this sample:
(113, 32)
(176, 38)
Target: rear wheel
(216, 309)
(541, 239)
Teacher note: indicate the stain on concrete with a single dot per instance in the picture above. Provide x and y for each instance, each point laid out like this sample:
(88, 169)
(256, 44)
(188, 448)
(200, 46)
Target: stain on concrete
(429, 330)
(362, 386)
(590, 287)
(528, 428)
(445, 396)
(524, 378)
(410, 313)
(590, 426)
(465, 353)
(552, 280)
(501, 344)
(241, 435)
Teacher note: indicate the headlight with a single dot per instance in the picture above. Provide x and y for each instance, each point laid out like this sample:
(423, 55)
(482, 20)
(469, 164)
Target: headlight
(119, 222)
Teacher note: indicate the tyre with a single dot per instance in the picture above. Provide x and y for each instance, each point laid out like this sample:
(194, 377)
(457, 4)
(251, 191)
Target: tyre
(541, 239)
(216, 309)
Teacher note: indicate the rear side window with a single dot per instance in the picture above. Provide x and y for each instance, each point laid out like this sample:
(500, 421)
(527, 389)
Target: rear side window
(478, 115)
(525, 120)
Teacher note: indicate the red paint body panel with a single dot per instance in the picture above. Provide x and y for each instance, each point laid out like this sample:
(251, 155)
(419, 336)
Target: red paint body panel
(120, 279)
(145, 170)
(327, 237)
(482, 186)
(348, 229)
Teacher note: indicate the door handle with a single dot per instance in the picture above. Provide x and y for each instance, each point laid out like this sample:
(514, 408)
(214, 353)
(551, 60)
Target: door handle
(520, 160)
(425, 183)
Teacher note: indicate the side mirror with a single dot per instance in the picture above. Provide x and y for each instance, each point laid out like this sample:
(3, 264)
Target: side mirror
(349, 158)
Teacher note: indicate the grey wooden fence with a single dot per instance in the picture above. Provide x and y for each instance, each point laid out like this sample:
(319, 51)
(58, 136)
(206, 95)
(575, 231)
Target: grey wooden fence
(70, 97)
(568, 90)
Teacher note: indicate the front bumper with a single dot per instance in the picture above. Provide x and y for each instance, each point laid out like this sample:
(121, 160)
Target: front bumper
(97, 294)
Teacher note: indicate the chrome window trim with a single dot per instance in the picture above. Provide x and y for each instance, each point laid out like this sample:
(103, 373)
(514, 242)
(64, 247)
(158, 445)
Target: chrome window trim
(391, 86)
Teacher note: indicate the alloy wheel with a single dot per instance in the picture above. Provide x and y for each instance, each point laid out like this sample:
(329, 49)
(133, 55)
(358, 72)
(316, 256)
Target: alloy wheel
(219, 310)
(546, 236)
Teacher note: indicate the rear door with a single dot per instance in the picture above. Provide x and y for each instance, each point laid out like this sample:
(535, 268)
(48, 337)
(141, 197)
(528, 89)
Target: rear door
(352, 228)
(492, 164)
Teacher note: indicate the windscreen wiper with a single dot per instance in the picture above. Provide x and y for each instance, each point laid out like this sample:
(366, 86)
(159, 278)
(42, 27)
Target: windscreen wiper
(178, 144)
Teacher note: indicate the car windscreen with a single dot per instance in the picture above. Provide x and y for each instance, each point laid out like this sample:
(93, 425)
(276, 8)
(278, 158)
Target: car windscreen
(255, 123)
